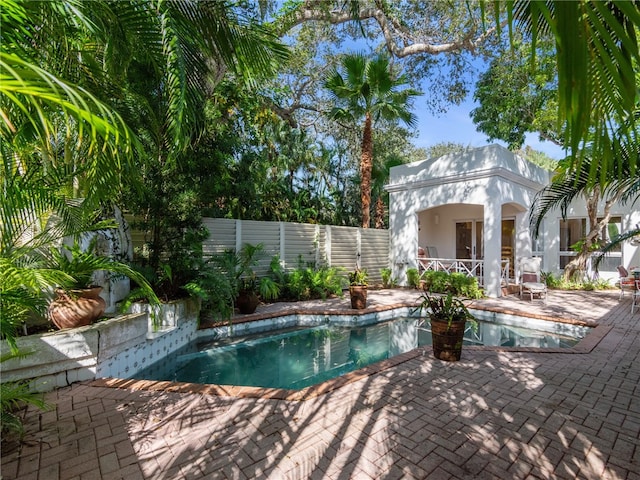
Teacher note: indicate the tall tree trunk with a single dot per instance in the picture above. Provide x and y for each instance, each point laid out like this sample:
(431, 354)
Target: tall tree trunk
(576, 268)
(379, 217)
(366, 163)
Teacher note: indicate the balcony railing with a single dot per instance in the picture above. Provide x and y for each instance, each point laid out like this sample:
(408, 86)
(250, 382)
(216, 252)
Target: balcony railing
(471, 268)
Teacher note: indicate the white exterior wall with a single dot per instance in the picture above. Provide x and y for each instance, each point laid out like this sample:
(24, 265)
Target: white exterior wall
(630, 253)
(485, 184)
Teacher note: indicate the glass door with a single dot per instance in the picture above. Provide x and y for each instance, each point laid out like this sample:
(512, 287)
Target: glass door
(469, 242)
(464, 239)
(508, 242)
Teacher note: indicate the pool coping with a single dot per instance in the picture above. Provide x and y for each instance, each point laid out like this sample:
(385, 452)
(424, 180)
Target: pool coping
(586, 345)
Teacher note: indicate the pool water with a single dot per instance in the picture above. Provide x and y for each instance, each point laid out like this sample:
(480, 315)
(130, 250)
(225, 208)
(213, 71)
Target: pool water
(299, 358)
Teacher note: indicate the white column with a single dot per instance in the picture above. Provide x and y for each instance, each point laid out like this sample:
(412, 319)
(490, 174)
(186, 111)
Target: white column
(403, 227)
(551, 261)
(492, 239)
(523, 237)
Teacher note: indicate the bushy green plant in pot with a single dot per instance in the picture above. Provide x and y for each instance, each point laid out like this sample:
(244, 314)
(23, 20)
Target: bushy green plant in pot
(77, 302)
(448, 316)
(239, 270)
(358, 281)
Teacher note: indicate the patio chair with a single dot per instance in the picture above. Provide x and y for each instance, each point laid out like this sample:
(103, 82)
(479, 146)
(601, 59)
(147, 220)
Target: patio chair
(625, 282)
(529, 278)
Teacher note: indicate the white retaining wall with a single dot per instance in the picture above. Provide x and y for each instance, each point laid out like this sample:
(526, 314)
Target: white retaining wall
(113, 348)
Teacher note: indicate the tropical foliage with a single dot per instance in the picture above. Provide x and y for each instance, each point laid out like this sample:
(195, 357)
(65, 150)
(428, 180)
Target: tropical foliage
(567, 185)
(447, 307)
(366, 91)
(71, 128)
(514, 99)
(13, 395)
(597, 54)
(458, 284)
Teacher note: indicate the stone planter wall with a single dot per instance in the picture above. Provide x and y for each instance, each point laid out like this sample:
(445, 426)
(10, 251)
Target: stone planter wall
(118, 347)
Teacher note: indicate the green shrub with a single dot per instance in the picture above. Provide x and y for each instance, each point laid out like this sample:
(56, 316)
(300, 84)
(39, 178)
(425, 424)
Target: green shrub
(559, 283)
(305, 282)
(216, 290)
(413, 277)
(387, 280)
(436, 281)
(13, 398)
(550, 280)
(456, 283)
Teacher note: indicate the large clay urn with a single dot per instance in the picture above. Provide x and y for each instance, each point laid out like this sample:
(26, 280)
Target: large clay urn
(247, 301)
(76, 308)
(358, 294)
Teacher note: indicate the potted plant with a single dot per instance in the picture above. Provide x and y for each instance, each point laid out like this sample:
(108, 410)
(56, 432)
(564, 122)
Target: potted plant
(77, 301)
(358, 280)
(247, 287)
(448, 316)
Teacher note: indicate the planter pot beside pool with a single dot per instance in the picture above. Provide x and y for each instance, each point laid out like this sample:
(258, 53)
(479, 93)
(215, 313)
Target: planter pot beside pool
(247, 302)
(447, 339)
(358, 295)
(76, 308)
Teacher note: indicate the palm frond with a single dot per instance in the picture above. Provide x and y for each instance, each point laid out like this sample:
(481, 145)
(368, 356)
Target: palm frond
(29, 90)
(597, 56)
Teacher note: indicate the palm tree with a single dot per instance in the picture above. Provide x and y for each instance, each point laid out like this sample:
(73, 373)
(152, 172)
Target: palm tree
(622, 184)
(62, 65)
(64, 145)
(367, 90)
(380, 177)
(598, 54)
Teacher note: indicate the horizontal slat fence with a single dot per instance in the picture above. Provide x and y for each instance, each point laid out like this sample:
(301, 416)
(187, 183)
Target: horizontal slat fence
(298, 244)
(374, 250)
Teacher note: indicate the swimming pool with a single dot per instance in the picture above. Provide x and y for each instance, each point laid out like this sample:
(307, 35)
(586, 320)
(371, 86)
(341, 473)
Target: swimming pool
(297, 358)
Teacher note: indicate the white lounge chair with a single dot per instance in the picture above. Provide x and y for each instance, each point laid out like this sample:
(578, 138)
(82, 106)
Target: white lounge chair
(529, 278)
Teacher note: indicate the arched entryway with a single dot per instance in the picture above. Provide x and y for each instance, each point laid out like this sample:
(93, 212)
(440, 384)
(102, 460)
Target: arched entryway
(470, 208)
(454, 234)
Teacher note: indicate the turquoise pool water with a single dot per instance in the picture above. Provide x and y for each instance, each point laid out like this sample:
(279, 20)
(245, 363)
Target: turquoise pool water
(299, 358)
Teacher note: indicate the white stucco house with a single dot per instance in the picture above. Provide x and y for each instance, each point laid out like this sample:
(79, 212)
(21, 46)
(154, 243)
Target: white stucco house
(471, 210)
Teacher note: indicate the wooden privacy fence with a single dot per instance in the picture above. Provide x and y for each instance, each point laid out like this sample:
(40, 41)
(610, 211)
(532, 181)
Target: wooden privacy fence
(298, 244)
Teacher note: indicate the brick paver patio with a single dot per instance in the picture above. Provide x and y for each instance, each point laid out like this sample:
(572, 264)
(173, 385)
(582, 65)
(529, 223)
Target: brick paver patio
(493, 415)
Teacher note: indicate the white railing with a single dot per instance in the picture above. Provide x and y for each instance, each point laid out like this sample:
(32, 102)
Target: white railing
(471, 268)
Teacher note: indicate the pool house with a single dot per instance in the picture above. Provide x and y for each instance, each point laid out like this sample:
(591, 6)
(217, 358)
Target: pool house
(469, 212)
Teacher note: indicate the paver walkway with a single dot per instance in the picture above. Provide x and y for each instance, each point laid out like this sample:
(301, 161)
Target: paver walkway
(493, 415)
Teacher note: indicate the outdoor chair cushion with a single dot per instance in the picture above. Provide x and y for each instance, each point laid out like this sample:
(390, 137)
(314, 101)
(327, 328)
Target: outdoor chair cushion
(534, 287)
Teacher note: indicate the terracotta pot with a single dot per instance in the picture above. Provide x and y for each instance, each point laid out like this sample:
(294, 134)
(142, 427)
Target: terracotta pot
(76, 308)
(247, 302)
(358, 296)
(447, 339)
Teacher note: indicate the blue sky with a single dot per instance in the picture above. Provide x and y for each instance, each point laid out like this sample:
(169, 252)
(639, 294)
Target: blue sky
(456, 126)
